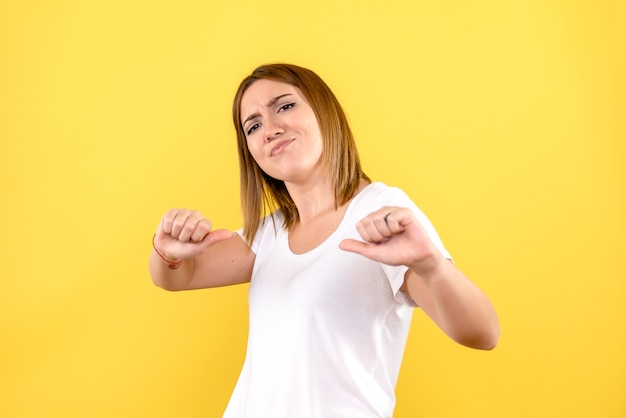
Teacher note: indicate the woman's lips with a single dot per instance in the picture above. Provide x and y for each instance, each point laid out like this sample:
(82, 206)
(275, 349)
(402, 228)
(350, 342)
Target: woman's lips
(276, 149)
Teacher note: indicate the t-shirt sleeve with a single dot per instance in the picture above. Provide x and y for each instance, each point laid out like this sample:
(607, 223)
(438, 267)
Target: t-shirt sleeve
(395, 274)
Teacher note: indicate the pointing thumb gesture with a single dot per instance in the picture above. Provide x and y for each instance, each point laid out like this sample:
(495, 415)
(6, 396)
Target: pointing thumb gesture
(394, 236)
(184, 234)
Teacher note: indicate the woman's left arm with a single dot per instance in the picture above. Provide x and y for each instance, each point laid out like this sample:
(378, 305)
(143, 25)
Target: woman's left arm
(455, 304)
(394, 236)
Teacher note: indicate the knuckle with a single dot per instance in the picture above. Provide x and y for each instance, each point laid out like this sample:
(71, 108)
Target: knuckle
(178, 224)
(367, 222)
(188, 227)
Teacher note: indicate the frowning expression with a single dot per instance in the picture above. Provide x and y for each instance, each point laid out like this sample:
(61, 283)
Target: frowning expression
(282, 131)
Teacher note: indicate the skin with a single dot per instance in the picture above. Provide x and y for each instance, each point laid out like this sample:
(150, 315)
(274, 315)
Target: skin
(282, 133)
(284, 139)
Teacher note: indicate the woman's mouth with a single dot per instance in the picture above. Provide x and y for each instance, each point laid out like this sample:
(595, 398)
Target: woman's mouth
(277, 149)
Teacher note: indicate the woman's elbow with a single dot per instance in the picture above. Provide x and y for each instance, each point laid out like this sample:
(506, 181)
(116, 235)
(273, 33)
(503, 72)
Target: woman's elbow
(487, 339)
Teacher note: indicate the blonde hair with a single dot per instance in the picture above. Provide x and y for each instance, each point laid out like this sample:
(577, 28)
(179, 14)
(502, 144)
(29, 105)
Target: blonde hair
(262, 194)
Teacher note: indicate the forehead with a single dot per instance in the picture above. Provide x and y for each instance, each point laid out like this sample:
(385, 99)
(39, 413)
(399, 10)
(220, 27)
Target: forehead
(261, 92)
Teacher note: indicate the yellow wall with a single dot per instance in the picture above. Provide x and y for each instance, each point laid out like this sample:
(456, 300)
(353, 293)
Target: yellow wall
(505, 121)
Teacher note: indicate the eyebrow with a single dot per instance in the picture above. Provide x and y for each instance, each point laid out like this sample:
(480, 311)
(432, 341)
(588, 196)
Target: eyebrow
(269, 104)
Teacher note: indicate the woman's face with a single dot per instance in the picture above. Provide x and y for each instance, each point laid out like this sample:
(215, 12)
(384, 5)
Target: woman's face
(282, 132)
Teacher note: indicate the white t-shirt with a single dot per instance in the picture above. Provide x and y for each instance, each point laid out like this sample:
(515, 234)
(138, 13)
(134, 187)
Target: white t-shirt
(327, 328)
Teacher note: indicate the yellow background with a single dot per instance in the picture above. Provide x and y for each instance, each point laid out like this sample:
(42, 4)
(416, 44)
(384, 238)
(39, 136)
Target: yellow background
(505, 121)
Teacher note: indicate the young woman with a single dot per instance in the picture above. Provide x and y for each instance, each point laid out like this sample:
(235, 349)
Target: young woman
(336, 263)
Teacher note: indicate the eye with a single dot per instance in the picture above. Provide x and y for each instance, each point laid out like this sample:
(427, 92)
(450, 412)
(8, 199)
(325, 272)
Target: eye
(286, 107)
(252, 128)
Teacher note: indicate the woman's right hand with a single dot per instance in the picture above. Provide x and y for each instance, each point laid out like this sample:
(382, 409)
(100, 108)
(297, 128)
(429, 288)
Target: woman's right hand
(184, 234)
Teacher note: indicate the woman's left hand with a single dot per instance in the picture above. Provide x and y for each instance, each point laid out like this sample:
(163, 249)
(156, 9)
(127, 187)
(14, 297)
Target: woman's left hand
(394, 236)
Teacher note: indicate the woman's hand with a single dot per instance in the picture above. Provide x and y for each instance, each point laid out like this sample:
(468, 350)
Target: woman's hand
(184, 234)
(393, 235)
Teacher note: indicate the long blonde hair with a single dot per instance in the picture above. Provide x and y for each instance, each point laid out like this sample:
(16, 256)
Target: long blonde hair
(262, 194)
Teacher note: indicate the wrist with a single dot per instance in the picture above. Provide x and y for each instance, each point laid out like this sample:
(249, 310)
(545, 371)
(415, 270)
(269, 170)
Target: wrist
(172, 264)
(430, 267)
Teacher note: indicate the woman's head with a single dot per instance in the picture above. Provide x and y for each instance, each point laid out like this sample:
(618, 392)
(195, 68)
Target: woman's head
(340, 161)
(282, 132)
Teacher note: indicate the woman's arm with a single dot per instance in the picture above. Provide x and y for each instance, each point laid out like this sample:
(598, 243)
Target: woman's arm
(208, 258)
(455, 304)
(393, 236)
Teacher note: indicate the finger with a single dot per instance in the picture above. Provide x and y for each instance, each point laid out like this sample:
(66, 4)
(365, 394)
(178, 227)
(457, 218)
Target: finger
(362, 248)
(381, 222)
(212, 238)
(369, 230)
(392, 223)
(218, 235)
(354, 246)
(185, 224)
(167, 220)
(175, 222)
(203, 228)
(195, 228)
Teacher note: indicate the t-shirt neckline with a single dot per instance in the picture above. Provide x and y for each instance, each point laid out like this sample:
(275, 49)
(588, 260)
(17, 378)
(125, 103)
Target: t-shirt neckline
(324, 244)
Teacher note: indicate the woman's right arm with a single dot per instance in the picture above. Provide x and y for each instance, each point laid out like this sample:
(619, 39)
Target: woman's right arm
(209, 258)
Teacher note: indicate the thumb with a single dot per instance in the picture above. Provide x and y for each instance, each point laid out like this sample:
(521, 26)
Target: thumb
(354, 246)
(216, 236)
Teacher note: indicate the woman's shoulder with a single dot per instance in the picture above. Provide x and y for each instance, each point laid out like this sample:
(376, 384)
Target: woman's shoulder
(379, 192)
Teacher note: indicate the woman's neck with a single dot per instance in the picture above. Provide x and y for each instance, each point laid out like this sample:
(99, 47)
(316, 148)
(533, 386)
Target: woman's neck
(315, 198)
(312, 199)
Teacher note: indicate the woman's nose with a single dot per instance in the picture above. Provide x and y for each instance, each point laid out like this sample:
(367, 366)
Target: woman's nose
(272, 131)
